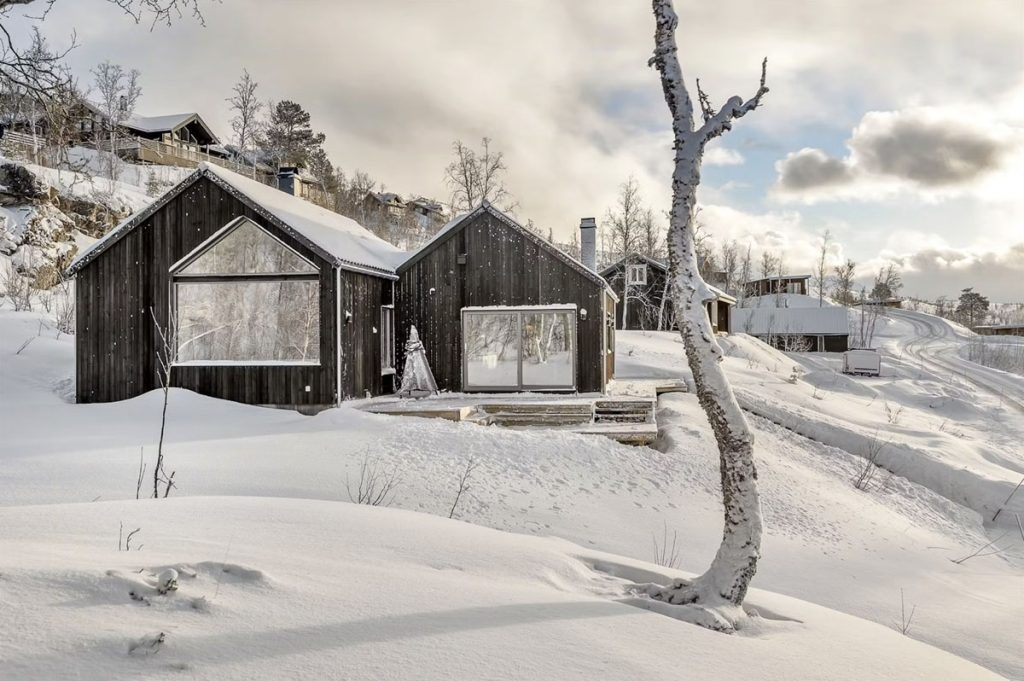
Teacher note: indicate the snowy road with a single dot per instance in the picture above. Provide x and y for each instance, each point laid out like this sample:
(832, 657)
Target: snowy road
(935, 343)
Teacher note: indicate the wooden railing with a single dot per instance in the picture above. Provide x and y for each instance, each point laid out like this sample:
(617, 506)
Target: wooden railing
(181, 155)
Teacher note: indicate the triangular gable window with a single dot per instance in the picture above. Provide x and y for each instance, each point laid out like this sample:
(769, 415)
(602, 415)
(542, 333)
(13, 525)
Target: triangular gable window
(243, 297)
(245, 248)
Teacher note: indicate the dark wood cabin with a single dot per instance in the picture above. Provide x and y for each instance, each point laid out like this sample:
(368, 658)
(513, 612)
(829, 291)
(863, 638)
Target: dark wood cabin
(500, 309)
(999, 329)
(770, 286)
(639, 283)
(267, 299)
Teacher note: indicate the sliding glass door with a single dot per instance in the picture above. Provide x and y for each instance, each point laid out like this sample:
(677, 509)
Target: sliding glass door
(519, 349)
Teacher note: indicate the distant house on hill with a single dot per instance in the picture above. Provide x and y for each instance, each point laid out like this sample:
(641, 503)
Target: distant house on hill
(789, 283)
(999, 329)
(430, 214)
(645, 303)
(795, 329)
(272, 300)
(385, 204)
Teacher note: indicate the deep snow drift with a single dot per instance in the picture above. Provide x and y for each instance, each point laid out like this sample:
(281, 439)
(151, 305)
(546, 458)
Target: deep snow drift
(826, 541)
(278, 588)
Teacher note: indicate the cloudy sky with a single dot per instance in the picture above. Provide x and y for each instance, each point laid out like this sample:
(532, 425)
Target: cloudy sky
(896, 124)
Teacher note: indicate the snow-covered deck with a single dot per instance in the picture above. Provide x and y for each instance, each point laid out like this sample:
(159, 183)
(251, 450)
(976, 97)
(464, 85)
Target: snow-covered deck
(625, 414)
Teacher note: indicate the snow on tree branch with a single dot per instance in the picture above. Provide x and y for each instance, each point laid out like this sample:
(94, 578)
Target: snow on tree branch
(733, 109)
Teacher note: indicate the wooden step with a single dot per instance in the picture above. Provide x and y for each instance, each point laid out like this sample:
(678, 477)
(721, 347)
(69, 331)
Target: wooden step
(539, 419)
(536, 408)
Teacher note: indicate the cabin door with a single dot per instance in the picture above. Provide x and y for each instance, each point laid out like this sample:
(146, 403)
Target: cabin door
(519, 348)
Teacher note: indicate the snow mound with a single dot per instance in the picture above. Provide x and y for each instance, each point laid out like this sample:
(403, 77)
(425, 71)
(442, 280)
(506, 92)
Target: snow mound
(355, 584)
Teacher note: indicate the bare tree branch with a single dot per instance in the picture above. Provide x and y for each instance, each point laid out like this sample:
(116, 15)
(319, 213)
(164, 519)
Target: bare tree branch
(707, 111)
(733, 109)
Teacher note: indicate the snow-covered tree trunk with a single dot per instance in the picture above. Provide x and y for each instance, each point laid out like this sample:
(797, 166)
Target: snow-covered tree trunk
(716, 595)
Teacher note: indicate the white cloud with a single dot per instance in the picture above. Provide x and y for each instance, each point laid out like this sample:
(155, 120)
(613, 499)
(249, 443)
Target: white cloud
(720, 156)
(929, 152)
(574, 106)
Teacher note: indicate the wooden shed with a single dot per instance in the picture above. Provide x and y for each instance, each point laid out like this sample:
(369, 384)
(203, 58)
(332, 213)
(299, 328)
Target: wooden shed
(644, 303)
(269, 299)
(501, 309)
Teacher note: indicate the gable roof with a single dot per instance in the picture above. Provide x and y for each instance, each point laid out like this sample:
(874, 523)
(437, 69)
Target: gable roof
(157, 124)
(337, 239)
(460, 221)
(657, 264)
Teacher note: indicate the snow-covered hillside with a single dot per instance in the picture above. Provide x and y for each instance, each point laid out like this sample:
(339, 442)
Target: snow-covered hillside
(330, 588)
(51, 214)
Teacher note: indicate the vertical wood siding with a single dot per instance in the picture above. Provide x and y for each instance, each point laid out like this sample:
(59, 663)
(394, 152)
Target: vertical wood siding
(502, 267)
(117, 342)
(653, 291)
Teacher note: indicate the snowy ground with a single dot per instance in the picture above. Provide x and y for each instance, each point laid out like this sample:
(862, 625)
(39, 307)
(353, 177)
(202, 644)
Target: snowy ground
(335, 588)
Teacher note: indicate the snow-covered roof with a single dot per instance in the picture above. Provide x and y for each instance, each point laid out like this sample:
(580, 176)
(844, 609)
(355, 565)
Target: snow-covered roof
(156, 124)
(797, 277)
(759, 321)
(159, 123)
(334, 237)
(458, 221)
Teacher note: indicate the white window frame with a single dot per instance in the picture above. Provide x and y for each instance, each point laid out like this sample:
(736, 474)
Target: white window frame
(387, 340)
(636, 275)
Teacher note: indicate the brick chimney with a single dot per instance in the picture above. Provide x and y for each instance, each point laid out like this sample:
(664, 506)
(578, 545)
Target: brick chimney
(588, 243)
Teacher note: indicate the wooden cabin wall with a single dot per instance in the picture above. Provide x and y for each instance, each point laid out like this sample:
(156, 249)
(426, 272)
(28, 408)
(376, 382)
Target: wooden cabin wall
(117, 341)
(363, 296)
(502, 267)
(654, 290)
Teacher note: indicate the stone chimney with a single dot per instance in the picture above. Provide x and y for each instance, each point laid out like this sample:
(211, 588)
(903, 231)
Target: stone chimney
(588, 243)
(288, 179)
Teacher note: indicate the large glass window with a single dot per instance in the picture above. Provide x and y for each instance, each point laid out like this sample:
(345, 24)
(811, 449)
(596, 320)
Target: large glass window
(524, 349)
(246, 298)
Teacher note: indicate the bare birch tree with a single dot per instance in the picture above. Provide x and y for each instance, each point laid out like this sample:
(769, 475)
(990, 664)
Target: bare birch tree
(477, 176)
(821, 268)
(118, 91)
(713, 599)
(623, 223)
(843, 290)
(246, 121)
(746, 274)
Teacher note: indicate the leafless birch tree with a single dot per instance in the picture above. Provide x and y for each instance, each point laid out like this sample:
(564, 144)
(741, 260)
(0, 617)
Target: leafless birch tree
(821, 277)
(118, 92)
(843, 290)
(713, 600)
(246, 121)
(475, 177)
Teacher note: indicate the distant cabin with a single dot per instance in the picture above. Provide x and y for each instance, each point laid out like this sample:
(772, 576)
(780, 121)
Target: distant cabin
(271, 300)
(794, 329)
(644, 302)
(999, 329)
(789, 283)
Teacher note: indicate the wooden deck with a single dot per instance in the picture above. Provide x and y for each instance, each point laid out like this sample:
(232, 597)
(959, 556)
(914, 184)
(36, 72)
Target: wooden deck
(626, 419)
